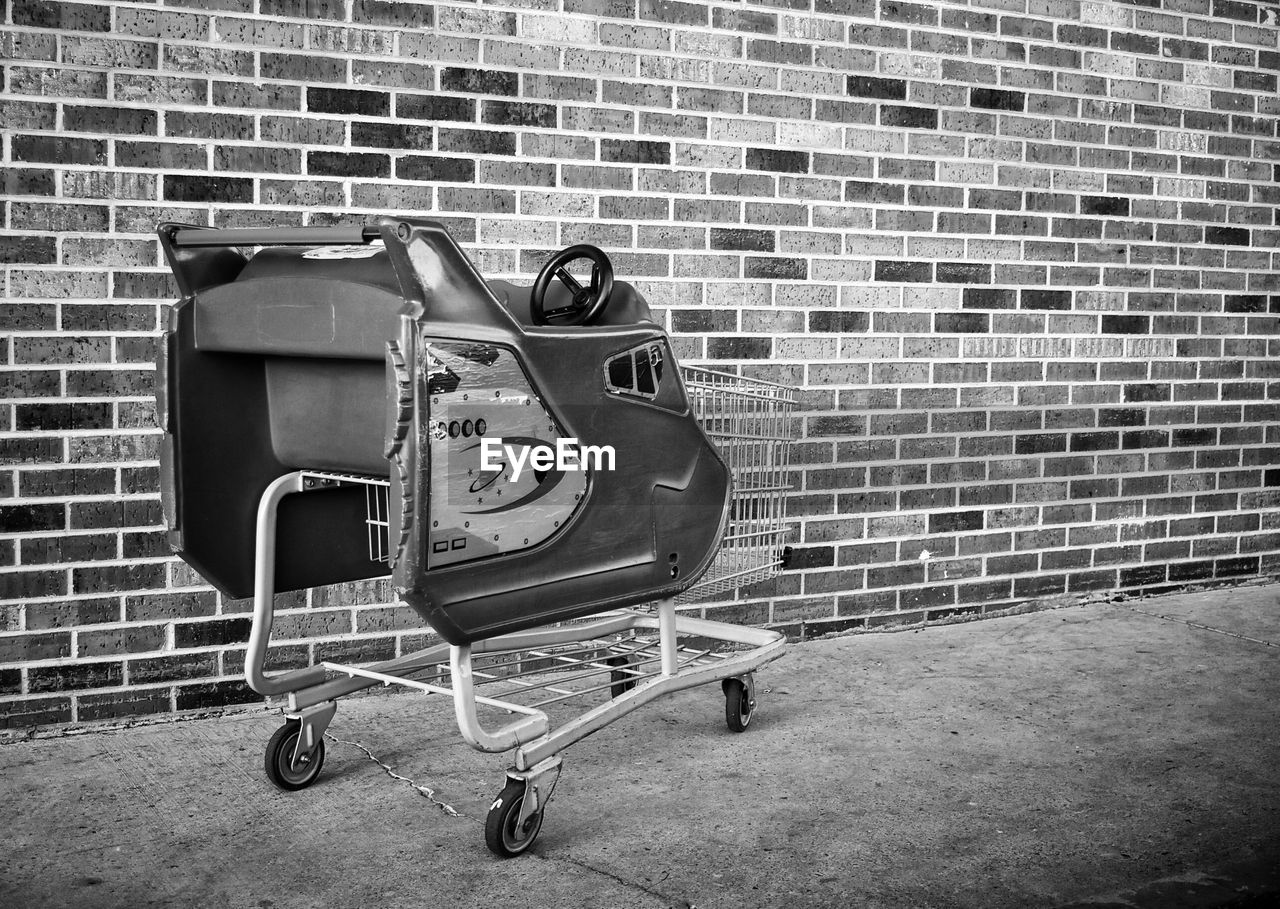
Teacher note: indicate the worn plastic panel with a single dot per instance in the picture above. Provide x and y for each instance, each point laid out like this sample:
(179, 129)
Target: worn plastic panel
(275, 362)
(218, 457)
(327, 414)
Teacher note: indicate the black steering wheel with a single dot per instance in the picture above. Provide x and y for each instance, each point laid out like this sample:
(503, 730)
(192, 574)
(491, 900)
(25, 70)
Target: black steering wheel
(586, 303)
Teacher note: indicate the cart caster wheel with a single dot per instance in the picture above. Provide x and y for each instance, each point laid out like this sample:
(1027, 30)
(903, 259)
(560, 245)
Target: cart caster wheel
(622, 680)
(738, 705)
(282, 769)
(503, 833)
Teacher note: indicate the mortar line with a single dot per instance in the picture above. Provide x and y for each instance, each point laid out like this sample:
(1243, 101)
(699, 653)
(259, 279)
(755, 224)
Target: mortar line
(424, 790)
(1191, 624)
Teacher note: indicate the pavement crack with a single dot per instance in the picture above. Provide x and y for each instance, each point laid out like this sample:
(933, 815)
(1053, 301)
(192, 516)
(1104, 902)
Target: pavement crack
(1202, 627)
(424, 790)
(649, 891)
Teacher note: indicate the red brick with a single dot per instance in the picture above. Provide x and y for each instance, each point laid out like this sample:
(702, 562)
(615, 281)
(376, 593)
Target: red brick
(115, 705)
(27, 712)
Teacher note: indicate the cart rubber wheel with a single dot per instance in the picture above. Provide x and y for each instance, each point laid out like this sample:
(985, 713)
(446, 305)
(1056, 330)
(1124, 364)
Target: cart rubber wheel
(281, 768)
(737, 705)
(622, 680)
(503, 833)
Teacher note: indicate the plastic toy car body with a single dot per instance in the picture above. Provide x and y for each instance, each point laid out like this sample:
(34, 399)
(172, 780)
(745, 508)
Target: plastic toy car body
(380, 353)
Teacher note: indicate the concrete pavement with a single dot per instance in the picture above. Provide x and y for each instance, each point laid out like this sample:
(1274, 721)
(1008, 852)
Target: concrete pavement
(1105, 755)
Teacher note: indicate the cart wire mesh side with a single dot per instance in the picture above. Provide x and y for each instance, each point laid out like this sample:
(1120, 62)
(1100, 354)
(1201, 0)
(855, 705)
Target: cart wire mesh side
(750, 422)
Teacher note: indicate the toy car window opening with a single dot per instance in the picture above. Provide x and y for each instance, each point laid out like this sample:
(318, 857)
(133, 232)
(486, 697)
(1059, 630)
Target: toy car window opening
(636, 372)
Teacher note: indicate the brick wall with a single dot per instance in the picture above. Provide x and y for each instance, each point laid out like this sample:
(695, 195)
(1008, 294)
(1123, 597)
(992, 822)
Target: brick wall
(1019, 255)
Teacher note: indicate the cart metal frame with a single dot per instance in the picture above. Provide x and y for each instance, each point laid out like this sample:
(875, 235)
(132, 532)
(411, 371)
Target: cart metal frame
(633, 656)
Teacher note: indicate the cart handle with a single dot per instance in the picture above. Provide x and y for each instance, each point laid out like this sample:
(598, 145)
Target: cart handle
(192, 236)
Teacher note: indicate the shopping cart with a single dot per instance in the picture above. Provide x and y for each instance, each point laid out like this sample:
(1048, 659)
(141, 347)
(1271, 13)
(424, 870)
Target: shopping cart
(291, 340)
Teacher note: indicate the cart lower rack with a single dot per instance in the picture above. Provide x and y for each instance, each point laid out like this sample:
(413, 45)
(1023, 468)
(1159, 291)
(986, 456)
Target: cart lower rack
(619, 660)
(628, 659)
